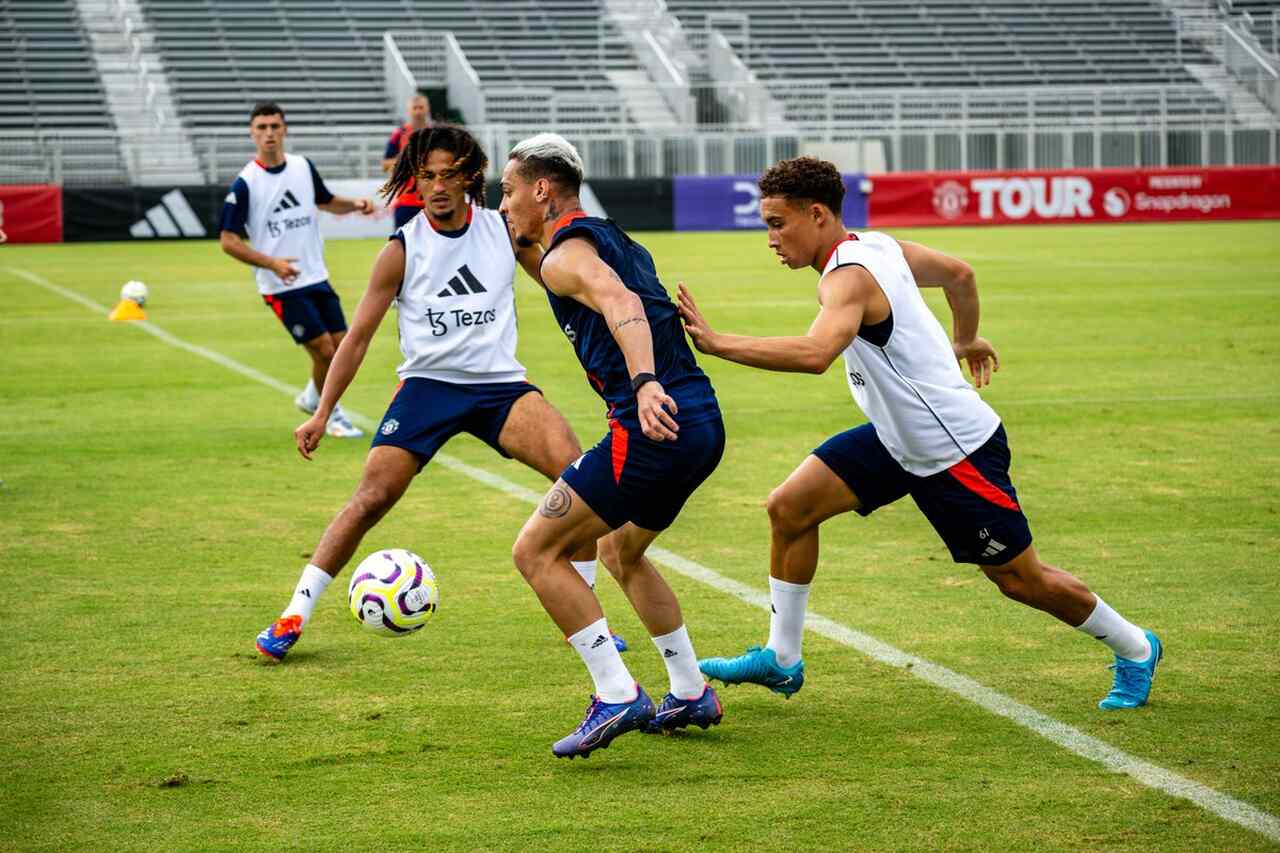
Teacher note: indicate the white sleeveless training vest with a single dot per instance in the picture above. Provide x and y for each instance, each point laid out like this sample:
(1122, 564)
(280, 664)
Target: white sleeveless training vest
(457, 302)
(284, 222)
(925, 413)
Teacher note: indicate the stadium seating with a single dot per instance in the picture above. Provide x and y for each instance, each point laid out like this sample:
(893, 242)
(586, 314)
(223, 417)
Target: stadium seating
(51, 94)
(955, 43)
(322, 59)
(46, 65)
(1262, 21)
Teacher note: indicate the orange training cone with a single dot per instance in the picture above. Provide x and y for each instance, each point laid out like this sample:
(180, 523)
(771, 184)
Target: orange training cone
(127, 310)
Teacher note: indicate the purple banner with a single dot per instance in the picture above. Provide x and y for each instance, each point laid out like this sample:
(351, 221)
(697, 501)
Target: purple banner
(732, 202)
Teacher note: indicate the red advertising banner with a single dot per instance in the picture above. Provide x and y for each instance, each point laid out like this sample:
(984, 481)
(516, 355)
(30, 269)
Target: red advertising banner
(1076, 195)
(31, 213)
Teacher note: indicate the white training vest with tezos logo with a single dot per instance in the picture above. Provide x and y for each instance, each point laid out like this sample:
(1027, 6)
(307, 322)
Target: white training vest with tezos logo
(457, 303)
(284, 222)
(925, 413)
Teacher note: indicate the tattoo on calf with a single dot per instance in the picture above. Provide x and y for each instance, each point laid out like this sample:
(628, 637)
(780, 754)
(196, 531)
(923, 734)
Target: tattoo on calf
(557, 503)
(618, 325)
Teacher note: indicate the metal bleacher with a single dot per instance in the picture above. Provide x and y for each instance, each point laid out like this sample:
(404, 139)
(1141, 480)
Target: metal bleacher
(322, 59)
(952, 43)
(50, 89)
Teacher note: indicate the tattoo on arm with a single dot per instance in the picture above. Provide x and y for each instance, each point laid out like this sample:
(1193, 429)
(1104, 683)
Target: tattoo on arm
(557, 502)
(618, 325)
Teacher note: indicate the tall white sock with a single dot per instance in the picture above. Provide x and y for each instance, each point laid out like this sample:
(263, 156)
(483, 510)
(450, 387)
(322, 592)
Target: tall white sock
(612, 679)
(311, 586)
(311, 394)
(786, 624)
(682, 663)
(586, 568)
(1121, 636)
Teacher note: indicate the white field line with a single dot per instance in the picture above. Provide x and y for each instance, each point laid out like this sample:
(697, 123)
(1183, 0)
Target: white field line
(1068, 737)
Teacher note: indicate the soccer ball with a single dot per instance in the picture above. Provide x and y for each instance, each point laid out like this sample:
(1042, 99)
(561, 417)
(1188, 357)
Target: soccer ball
(393, 592)
(134, 291)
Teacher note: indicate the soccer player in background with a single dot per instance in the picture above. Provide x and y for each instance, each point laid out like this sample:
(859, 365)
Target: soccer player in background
(930, 434)
(665, 438)
(408, 202)
(275, 202)
(450, 273)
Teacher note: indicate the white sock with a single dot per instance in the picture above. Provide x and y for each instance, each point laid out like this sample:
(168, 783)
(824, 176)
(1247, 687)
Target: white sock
(311, 394)
(311, 586)
(682, 663)
(786, 624)
(586, 568)
(613, 682)
(1121, 636)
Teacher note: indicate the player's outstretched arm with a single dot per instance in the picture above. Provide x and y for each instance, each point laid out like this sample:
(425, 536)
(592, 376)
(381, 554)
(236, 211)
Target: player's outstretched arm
(842, 295)
(932, 268)
(235, 246)
(338, 205)
(574, 270)
(530, 258)
(384, 283)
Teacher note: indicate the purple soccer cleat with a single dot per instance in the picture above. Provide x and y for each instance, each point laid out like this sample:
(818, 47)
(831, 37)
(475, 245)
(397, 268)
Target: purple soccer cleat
(604, 722)
(674, 713)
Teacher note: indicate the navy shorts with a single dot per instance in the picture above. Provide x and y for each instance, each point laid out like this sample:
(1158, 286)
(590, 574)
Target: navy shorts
(972, 504)
(628, 477)
(403, 213)
(308, 312)
(425, 413)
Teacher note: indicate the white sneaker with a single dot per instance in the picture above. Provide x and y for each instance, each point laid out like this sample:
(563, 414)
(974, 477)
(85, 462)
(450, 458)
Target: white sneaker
(340, 427)
(304, 404)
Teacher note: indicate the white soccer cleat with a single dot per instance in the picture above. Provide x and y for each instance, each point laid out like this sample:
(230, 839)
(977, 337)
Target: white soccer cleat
(340, 427)
(304, 404)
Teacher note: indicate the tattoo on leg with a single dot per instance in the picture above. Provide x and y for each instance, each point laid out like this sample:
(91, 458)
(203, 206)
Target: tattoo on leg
(618, 325)
(557, 503)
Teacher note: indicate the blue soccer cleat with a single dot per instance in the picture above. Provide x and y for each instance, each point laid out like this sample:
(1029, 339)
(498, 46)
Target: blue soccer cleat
(1133, 679)
(756, 666)
(675, 713)
(604, 722)
(278, 637)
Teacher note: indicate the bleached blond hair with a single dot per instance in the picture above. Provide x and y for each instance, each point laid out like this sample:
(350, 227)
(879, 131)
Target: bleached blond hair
(550, 155)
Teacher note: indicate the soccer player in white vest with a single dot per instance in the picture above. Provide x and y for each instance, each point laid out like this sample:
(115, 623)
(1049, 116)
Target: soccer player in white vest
(450, 272)
(930, 434)
(275, 202)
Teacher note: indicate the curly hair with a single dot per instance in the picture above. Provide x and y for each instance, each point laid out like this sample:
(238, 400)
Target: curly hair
(805, 179)
(469, 156)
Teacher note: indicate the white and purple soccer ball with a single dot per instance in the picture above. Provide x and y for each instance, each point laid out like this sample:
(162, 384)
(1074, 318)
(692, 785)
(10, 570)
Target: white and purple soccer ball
(134, 291)
(393, 593)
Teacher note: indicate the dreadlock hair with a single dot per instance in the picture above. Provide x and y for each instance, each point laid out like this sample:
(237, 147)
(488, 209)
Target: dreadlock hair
(467, 154)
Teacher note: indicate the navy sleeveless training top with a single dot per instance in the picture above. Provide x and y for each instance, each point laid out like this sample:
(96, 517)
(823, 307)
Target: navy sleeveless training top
(593, 341)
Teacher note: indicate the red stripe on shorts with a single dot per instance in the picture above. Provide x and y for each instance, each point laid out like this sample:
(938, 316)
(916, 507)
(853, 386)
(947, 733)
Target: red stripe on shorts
(619, 445)
(971, 478)
(276, 305)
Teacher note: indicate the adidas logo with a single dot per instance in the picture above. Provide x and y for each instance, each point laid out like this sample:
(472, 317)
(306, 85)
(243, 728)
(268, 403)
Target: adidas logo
(600, 640)
(459, 283)
(289, 202)
(307, 593)
(993, 548)
(172, 217)
(669, 653)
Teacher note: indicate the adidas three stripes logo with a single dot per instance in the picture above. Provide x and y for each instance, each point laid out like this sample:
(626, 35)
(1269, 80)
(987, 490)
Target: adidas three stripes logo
(287, 202)
(459, 284)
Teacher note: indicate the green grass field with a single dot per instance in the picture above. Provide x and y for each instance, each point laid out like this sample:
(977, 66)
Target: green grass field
(154, 516)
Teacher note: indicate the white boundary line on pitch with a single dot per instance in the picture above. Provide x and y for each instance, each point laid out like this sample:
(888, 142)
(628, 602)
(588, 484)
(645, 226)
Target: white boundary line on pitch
(1068, 737)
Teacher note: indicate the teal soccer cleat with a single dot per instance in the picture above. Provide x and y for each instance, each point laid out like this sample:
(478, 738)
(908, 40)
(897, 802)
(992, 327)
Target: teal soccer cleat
(756, 666)
(1133, 679)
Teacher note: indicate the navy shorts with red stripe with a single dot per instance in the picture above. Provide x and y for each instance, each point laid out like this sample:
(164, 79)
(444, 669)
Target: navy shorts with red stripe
(308, 312)
(972, 504)
(425, 413)
(627, 477)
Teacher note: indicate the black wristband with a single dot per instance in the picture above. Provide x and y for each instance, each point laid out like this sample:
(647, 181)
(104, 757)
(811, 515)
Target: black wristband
(640, 379)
